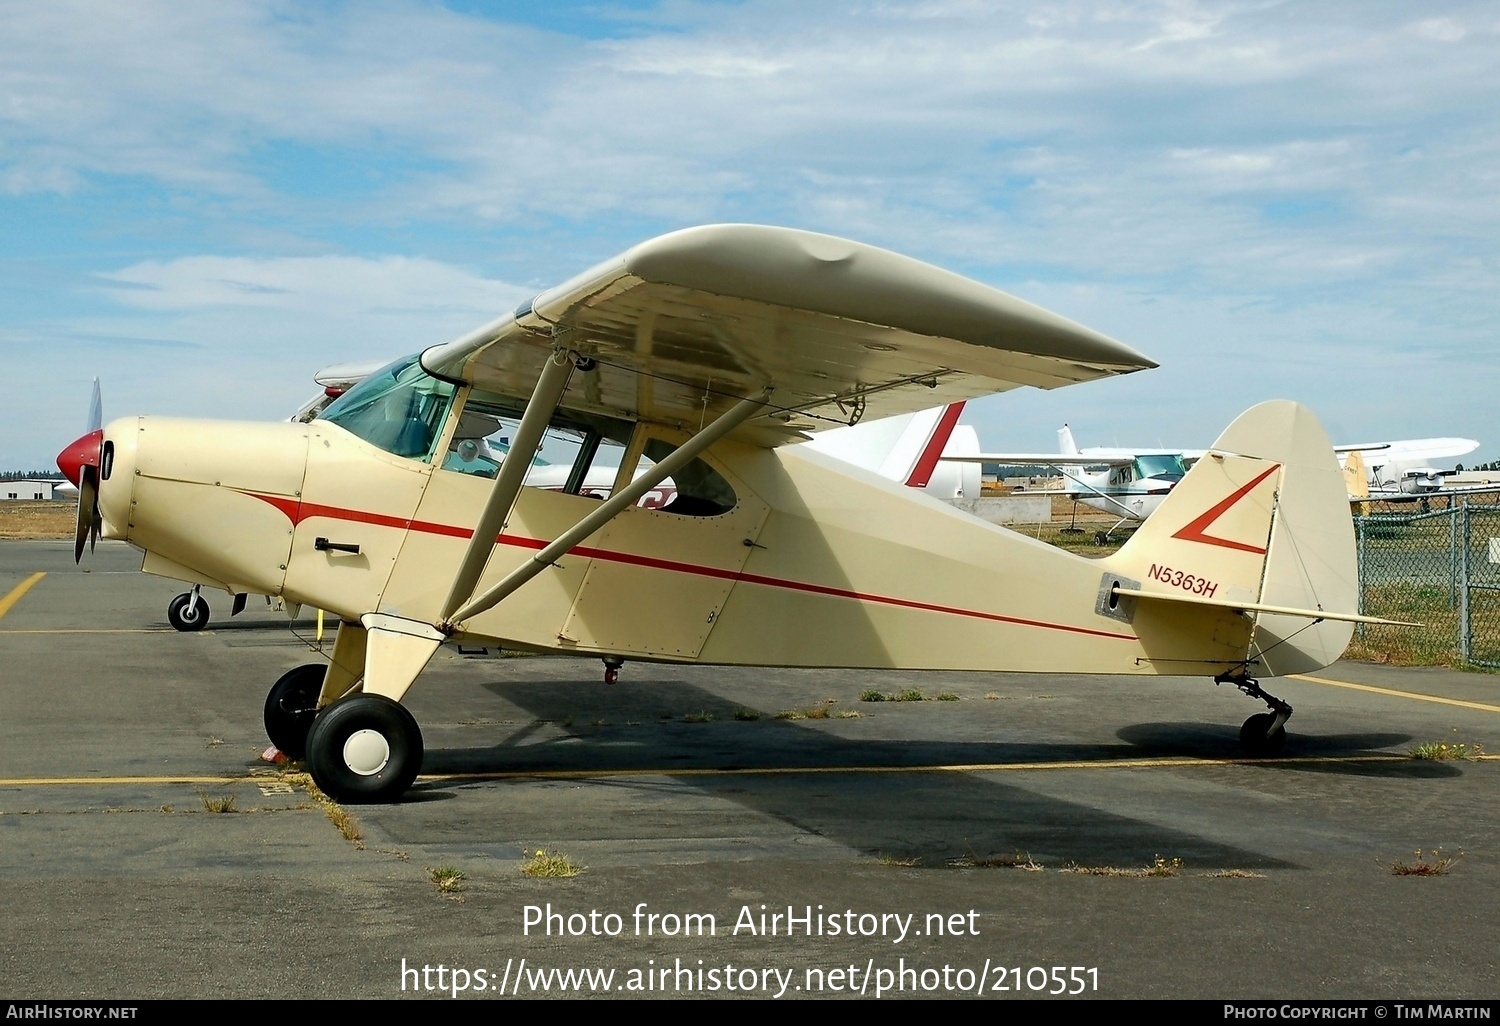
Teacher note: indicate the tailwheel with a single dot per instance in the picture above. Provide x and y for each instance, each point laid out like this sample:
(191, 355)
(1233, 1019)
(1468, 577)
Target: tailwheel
(1262, 735)
(291, 707)
(364, 749)
(188, 611)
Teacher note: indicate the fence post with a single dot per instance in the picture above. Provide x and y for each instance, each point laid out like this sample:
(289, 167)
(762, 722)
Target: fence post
(1453, 553)
(1359, 538)
(1465, 634)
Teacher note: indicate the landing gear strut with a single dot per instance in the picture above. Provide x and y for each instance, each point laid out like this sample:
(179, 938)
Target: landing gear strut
(1264, 733)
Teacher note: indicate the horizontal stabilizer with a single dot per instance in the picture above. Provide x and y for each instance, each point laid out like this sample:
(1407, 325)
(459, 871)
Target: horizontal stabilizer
(1259, 607)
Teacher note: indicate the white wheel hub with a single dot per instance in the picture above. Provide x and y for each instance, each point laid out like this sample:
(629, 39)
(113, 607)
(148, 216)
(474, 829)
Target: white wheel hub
(367, 752)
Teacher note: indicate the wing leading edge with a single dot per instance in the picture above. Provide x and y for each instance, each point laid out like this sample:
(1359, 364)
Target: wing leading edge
(683, 325)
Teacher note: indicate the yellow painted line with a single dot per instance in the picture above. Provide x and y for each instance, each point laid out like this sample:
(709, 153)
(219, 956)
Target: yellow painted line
(99, 630)
(1166, 762)
(1398, 694)
(17, 592)
(70, 781)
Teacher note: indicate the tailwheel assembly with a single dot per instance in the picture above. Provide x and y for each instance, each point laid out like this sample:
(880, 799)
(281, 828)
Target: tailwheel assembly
(1264, 733)
(364, 749)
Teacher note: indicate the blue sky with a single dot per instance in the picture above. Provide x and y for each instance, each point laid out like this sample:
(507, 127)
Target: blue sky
(203, 204)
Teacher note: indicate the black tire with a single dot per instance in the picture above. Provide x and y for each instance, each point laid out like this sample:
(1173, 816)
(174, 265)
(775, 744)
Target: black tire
(1254, 738)
(184, 615)
(364, 749)
(291, 707)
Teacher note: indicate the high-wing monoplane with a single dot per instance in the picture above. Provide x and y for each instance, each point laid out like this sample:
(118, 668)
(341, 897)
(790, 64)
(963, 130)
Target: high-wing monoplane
(702, 356)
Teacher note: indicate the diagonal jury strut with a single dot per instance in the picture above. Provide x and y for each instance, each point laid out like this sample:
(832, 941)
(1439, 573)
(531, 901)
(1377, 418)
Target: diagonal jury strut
(611, 507)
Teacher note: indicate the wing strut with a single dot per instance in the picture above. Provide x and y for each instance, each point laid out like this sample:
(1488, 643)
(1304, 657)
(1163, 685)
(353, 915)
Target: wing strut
(611, 507)
(550, 386)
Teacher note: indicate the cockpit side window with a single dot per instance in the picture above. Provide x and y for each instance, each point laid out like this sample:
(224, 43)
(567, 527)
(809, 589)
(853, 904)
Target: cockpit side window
(400, 408)
(701, 491)
(578, 453)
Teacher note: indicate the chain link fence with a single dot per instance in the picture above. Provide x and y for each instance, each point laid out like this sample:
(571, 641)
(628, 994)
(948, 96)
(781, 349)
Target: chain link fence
(1436, 562)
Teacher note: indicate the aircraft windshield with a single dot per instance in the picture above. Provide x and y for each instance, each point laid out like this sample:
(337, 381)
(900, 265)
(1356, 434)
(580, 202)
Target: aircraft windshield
(399, 408)
(1155, 466)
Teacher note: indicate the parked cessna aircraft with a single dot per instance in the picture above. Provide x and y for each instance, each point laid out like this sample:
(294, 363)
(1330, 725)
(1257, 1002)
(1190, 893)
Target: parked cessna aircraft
(1402, 470)
(708, 352)
(1131, 483)
(1128, 483)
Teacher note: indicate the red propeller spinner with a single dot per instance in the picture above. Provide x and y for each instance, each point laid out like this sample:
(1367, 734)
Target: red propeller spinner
(84, 452)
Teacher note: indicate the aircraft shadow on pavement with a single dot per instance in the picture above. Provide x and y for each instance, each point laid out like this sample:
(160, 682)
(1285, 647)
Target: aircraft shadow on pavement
(1359, 755)
(934, 816)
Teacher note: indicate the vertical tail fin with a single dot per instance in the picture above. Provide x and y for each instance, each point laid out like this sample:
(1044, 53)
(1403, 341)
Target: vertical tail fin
(1262, 518)
(905, 448)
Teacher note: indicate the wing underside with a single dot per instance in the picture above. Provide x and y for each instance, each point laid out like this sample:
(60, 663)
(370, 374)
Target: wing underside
(682, 326)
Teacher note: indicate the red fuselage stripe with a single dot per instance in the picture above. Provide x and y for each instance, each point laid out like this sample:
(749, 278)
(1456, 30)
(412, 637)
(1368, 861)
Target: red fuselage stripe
(297, 512)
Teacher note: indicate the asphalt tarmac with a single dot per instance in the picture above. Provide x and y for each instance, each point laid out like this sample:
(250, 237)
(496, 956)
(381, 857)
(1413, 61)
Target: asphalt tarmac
(995, 845)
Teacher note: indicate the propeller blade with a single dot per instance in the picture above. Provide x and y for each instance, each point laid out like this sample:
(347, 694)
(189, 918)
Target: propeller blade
(88, 509)
(96, 409)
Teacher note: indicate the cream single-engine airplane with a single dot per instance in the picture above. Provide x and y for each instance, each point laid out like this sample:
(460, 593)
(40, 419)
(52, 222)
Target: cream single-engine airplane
(705, 352)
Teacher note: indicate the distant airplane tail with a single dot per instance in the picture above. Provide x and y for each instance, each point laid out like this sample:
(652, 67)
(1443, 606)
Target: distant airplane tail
(1356, 477)
(1065, 444)
(907, 449)
(1259, 528)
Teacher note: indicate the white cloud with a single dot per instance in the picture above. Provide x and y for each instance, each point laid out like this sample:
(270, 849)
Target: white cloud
(327, 285)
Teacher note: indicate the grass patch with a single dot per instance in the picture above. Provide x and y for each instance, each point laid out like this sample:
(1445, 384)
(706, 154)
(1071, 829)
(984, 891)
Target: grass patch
(347, 825)
(543, 862)
(701, 716)
(1235, 874)
(817, 712)
(447, 879)
(1433, 644)
(907, 695)
(1020, 860)
(219, 803)
(1159, 867)
(945, 696)
(901, 861)
(342, 820)
(1433, 863)
(746, 714)
(1442, 751)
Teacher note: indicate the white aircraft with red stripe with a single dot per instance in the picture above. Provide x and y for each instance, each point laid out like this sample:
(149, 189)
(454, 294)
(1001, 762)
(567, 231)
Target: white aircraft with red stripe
(705, 356)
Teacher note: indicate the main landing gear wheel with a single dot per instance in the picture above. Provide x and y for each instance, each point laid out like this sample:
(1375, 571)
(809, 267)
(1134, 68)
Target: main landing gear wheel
(364, 749)
(188, 612)
(1257, 736)
(291, 707)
